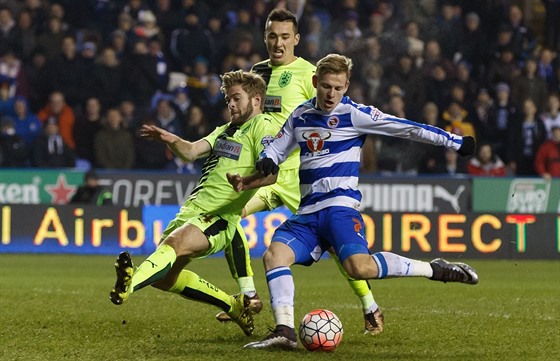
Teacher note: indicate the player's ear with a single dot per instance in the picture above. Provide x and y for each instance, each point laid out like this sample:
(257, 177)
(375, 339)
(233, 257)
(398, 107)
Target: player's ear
(296, 39)
(315, 80)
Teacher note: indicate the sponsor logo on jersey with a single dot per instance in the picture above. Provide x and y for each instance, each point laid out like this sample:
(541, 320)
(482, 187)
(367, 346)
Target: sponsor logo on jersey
(332, 122)
(273, 103)
(375, 114)
(284, 79)
(228, 149)
(316, 142)
(528, 196)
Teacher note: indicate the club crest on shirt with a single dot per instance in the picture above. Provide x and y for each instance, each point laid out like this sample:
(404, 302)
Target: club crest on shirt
(267, 140)
(284, 79)
(332, 122)
(315, 141)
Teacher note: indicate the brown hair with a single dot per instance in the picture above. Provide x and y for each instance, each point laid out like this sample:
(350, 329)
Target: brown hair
(282, 15)
(251, 83)
(334, 64)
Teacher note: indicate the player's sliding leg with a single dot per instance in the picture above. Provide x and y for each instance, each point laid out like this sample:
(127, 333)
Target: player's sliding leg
(373, 318)
(237, 307)
(161, 266)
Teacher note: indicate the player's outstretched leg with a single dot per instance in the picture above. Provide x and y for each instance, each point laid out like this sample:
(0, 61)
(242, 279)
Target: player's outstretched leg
(453, 272)
(124, 270)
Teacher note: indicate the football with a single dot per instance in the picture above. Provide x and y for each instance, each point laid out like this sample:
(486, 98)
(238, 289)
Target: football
(320, 330)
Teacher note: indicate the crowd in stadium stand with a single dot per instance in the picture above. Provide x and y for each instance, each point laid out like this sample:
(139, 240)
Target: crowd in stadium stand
(78, 78)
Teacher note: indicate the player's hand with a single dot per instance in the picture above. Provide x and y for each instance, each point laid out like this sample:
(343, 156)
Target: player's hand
(468, 146)
(236, 181)
(153, 132)
(266, 167)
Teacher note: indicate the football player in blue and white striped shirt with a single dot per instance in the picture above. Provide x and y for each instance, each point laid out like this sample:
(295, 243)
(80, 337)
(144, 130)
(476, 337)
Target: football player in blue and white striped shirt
(330, 130)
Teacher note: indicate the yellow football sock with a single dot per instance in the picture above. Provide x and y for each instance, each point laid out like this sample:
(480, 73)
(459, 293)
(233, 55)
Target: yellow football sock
(192, 286)
(154, 268)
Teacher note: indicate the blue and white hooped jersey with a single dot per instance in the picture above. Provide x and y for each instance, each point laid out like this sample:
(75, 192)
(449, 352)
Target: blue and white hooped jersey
(330, 148)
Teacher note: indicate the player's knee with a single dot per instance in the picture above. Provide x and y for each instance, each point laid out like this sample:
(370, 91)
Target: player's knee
(358, 269)
(278, 256)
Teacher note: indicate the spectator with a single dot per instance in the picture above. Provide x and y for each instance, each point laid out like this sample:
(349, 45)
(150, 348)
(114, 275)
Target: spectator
(415, 45)
(551, 117)
(374, 82)
(529, 85)
(129, 114)
(501, 117)
(481, 110)
(13, 148)
(166, 117)
(66, 72)
(91, 192)
(190, 41)
(58, 110)
(486, 163)
(523, 40)
(50, 150)
(437, 86)
(88, 124)
(167, 18)
(12, 72)
(181, 101)
(526, 135)
(113, 145)
(149, 154)
(8, 31)
(6, 101)
(147, 27)
(547, 161)
(141, 79)
(474, 46)
(108, 77)
(214, 102)
(26, 124)
(26, 36)
(37, 75)
(449, 30)
(455, 118)
(546, 67)
(50, 42)
(405, 75)
(465, 79)
(504, 68)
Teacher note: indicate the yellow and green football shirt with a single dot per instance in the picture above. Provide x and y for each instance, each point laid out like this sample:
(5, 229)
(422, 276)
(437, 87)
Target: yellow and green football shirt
(287, 87)
(234, 150)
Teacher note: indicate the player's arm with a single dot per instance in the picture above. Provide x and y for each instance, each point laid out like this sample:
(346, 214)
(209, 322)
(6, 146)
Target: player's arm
(371, 120)
(187, 151)
(255, 180)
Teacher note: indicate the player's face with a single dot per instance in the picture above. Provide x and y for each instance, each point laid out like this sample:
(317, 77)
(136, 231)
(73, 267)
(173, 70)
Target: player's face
(330, 90)
(280, 41)
(241, 108)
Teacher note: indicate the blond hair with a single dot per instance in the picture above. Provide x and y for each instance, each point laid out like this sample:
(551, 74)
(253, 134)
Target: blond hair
(253, 84)
(334, 64)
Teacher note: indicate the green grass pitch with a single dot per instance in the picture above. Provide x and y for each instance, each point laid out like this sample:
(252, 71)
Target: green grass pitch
(56, 307)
